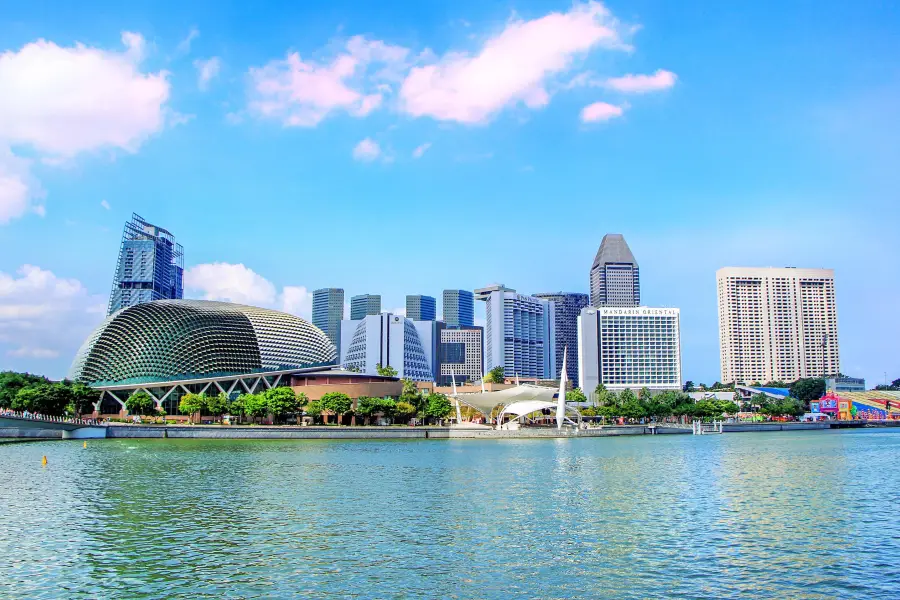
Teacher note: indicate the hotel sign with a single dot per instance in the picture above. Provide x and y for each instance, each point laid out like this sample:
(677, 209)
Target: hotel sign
(639, 311)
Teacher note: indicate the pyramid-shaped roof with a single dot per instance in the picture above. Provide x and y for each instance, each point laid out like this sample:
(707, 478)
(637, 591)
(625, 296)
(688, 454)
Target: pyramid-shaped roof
(614, 249)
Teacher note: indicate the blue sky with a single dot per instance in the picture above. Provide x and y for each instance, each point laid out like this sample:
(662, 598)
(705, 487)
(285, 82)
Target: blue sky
(279, 144)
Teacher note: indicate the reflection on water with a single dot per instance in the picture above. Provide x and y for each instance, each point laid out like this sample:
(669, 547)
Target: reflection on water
(803, 515)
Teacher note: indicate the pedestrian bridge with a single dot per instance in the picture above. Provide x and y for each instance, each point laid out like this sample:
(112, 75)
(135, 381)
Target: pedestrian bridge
(71, 428)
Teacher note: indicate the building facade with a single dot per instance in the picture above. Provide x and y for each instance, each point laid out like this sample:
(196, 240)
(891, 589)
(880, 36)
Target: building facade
(388, 340)
(615, 276)
(568, 307)
(328, 312)
(520, 333)
(629, 348)
(460, 355)
(459, 308)
(421, 308)
(150, 266)
(777, 324)
(364, 305)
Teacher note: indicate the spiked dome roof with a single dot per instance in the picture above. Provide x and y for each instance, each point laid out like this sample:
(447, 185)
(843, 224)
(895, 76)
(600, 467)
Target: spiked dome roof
(186, 339)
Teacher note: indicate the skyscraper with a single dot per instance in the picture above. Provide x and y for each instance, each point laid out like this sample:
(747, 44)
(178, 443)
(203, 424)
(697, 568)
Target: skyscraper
(629, 348)
(568, 307)
(364, 304)
(777, 324)
(459, 308)
(520, 333)
(150, 266)
(615, 277)
(421, 308)
(328, 312)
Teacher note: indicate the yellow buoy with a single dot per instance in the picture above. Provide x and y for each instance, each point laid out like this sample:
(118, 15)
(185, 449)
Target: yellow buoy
(85, 444)
(44, 461)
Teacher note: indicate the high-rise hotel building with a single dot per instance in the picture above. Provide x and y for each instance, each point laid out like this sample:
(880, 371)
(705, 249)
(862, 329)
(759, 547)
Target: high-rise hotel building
(631, 348)
(777, 324)
(519, 334)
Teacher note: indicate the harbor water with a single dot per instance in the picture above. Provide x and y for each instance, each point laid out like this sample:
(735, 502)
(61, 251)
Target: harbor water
(809, 514)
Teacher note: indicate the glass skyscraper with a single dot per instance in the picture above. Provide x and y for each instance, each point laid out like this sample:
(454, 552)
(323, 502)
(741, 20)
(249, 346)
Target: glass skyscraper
(459, 308)
(421, 308)
(150, 266)
(363, 305)
(615, 277)
(568, 307)
(328, 312)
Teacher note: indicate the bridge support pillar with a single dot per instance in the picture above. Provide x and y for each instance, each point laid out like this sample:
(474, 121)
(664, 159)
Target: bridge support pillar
(84, 433)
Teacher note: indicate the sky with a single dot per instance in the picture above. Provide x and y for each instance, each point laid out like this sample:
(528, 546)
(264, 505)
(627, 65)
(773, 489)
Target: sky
(408, 147)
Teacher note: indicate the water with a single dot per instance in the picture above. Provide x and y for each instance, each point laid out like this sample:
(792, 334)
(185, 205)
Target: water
(799, 515)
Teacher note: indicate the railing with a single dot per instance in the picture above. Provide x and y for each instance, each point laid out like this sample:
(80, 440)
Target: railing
(30, 416)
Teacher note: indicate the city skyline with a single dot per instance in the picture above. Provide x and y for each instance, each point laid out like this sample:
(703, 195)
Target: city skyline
(704, 171)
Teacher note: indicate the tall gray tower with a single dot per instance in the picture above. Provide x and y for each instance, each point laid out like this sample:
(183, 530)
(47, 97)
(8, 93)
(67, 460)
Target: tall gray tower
(615, 277)
(328, 312)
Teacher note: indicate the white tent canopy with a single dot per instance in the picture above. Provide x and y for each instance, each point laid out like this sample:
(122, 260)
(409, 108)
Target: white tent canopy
(527, 407)
(485, 402)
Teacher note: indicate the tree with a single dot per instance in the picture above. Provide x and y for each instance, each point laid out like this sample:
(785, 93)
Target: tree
(337, 403)
(191, 404)
(314, 408)
(576, 395)
(352, 368)
(366, 407)
(217, 405)
(404, 411)
(11, 382)
(44, 398)
(437, 406)
(255, 405)
(688, 386)
(762, 401)
(140, 403)
(386, 371)
(629, 405)
(412, 395)
(776, 384)
(281, 402)
(495, 375)
(84, 398)
(807, 390)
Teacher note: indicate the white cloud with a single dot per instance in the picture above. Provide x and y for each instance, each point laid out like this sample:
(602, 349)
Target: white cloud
(367, 150)
(62, 101)
(600, 111)
(207, 70)
(184, 46)
(301, 93)
(641, 84)
(231, 283)
(16, 190)
(105, 204)
(57, 102)
(419, 151)
(237, 283)
(513, 67)
(297, 300)
(43, 316)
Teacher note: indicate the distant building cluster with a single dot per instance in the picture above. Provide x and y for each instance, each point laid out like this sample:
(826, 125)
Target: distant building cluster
(775, 325)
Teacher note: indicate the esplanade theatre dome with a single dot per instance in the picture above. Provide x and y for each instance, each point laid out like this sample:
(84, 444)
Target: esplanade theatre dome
(168, 340)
